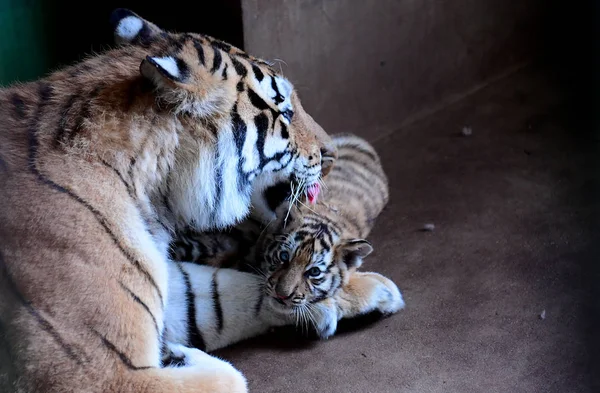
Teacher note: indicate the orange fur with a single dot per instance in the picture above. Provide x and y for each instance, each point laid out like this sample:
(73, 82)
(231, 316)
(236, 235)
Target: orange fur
(86, 155)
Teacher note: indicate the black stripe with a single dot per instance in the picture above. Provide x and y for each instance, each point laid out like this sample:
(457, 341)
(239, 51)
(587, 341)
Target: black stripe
(131, 193)
(284, 131)
(324, 244)
(18, 105)
(257, 101)
(239, 134)
(45, 92)
(184, 70)
(239, 130)
(240, 68)
(224, 74)
(194, 336)
(120, 354)
(322, 294)
(144, 306)
(257, 72)
(120, 175)
(261, 121)
(214, 288)
(240, 86)
(44, 323)
(278, 97)
(217, 59)
(225, 47)
(200, 51)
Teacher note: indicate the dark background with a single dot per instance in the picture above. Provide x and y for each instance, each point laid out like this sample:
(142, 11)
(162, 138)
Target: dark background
(41, 35)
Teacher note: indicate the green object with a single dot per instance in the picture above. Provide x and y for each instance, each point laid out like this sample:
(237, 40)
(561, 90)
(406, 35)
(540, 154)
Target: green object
(24, 53)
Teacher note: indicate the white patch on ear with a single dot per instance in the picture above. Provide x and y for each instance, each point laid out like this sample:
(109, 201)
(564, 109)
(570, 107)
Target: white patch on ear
(168, 64)
(129, 27)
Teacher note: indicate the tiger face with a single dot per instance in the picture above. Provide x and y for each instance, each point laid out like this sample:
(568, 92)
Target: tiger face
(305, 259)
(262, 134)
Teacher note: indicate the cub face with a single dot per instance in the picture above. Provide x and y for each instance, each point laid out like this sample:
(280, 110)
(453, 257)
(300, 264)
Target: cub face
(305, 259)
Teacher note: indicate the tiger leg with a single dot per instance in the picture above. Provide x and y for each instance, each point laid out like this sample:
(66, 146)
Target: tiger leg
(364, 292)
(198, 373)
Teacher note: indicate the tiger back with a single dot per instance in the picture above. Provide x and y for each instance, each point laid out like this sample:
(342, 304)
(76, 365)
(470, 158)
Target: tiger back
(100, 163)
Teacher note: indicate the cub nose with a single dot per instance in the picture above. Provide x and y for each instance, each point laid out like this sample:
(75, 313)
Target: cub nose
(282, 297)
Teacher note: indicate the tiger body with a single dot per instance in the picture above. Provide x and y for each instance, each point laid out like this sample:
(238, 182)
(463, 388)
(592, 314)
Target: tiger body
(307, 258)
(99, 164)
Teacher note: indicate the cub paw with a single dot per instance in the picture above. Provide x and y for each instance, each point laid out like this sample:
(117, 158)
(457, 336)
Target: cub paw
(384, 295)
(325, 319)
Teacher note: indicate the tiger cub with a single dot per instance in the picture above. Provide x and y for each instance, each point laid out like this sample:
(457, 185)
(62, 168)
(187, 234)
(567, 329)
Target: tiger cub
(309, 255)
(100, 162)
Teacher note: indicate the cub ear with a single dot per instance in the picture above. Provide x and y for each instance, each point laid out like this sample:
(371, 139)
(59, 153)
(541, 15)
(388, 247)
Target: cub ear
(164, 69)
(328, 157)
(130, 28)
(353, 251)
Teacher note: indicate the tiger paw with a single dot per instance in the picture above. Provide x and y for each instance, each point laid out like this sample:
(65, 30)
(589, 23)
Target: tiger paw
(380, 293)
(180, 355)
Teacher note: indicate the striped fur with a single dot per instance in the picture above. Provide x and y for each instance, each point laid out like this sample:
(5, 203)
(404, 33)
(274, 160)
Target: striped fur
(100, 163)
(310, 255)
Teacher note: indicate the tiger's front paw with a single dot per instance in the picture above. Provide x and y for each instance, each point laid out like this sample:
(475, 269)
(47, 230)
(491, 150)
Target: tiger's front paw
(381, 293)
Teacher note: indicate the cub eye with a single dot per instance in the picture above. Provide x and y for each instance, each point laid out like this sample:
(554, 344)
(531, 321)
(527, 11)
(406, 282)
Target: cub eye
(314, 271)
(284, 256)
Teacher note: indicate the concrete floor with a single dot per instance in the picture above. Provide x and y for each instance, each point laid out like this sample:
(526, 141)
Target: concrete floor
(514, 236)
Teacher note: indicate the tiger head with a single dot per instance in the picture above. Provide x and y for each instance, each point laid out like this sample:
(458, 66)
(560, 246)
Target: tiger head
(246, 127)
(304, 257)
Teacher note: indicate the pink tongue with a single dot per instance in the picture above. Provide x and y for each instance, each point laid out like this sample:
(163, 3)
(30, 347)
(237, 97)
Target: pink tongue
(313, 193)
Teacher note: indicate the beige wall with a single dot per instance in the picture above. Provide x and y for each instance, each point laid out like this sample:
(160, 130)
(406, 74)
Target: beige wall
(367, 66)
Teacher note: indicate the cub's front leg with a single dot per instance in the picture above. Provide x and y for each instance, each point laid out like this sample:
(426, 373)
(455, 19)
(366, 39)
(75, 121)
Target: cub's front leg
(364, 292)
(210, 308)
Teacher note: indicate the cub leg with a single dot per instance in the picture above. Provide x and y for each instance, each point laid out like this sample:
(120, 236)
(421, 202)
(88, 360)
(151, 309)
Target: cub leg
(364, 292)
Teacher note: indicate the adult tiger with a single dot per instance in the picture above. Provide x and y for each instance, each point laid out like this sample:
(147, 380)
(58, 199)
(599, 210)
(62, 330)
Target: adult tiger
(99, 164)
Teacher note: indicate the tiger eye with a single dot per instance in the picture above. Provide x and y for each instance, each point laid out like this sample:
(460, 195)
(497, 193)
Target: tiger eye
(314, 271)
(284, 256)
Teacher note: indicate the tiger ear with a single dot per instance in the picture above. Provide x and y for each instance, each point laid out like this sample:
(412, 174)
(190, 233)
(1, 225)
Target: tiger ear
(188, 88)
(353, 251)
(164, 69)
(130, 28)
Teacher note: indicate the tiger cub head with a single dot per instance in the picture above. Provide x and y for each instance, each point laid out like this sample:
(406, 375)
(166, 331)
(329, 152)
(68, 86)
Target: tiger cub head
(304, 257)
(238, 103)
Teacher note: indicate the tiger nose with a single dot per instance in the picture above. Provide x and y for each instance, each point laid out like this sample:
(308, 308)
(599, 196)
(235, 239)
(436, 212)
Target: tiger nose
(282, 297)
